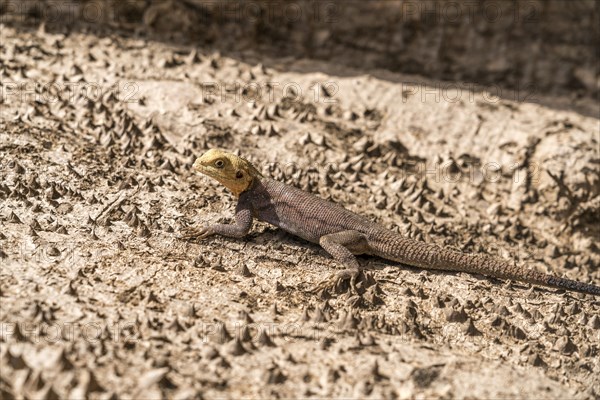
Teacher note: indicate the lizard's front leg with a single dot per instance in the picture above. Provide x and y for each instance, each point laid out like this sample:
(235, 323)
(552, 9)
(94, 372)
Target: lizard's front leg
(241, 227)
(342, 246)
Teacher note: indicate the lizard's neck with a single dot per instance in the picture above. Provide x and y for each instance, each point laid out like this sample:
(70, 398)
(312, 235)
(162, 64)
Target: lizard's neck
(251, 186)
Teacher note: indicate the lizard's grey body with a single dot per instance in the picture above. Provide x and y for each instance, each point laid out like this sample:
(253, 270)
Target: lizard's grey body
(341, 232)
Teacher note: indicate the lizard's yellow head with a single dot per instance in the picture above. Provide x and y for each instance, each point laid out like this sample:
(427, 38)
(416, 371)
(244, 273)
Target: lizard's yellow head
(235, 173)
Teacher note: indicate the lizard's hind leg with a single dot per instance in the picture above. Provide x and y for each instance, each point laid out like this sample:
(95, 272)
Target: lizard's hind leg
(342, 246)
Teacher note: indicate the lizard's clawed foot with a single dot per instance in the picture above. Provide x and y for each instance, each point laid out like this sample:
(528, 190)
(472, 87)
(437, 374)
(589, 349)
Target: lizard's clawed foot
(348, 280)
(198, 233)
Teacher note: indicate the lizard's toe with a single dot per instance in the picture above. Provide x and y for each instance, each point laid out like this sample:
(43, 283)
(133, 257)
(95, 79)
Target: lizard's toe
(349, 275)
(341, 282)
(324, 286)
(194, 233)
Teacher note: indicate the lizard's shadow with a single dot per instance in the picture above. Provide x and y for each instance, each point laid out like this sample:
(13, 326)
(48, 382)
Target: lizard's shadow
(268, 234)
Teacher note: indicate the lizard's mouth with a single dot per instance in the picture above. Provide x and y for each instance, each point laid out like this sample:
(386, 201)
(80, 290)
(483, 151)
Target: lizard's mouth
(206, 170)
(203, 167)
(198, 165)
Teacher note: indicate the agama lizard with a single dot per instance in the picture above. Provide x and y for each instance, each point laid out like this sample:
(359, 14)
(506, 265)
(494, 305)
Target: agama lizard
(342, 233)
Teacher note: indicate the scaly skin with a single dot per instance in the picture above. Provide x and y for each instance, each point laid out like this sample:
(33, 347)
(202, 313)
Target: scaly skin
(342, 233)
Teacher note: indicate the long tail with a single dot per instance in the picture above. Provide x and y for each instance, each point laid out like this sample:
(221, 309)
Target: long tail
(429, 256)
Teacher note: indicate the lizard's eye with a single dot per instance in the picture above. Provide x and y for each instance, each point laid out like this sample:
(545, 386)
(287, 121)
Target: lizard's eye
(219, 163)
